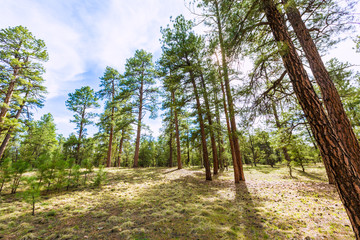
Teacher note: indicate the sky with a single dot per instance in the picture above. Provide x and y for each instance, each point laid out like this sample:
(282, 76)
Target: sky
(83, 37)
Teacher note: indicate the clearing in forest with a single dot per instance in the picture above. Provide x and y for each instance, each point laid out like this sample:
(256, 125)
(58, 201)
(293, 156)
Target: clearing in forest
(166, 203)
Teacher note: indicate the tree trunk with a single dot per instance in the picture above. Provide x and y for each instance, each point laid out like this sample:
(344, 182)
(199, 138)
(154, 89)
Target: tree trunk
(108, 161)
(202, 129)
(328, 172)
(238, 168)
(283, 148)
(121, 147)
(33, 206)
(340, 162)
(331, 98)
(8, 135)
(211, 128)
(231, 142)
(7, 99)
(177, 133)
(109, 155)
(137, 142)
(219, 133)
(171, 146)
(188, 147)
(79, 144)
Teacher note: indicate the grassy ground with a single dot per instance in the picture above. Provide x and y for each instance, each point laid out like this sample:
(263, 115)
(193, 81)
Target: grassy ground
(164, 203)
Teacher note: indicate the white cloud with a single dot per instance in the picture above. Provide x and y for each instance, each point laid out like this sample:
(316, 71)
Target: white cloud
(95, 33)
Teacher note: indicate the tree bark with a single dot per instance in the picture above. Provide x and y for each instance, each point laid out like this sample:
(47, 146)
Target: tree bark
(171, 143)
(283, 148)
(238, 160)
(79, 138)
(202, 129)
(236, 170)
(108, 161)
(177, 133)
(7, 100)
(137, 142)
(121, 147)
(109, 155)
(8, 134)
(219, 133)
(331, 98)
(340, 163)
(211, 127)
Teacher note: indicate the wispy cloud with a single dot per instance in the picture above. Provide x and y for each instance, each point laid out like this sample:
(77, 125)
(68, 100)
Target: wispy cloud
(83, 37)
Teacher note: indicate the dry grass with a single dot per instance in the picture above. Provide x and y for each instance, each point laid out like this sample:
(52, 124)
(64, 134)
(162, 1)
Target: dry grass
(162, 203)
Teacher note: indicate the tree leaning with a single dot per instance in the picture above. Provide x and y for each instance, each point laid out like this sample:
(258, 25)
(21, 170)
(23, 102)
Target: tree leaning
(339, 161)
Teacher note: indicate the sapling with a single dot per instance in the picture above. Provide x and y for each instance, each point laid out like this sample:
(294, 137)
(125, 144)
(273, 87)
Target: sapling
(100, 176)
(89, 168)
(76, 174)
(32, 194)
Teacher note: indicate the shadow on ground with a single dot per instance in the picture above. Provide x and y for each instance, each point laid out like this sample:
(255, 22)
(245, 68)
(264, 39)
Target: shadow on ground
(162, 203)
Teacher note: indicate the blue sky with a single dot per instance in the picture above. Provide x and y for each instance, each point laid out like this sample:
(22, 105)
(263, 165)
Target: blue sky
(83, 37)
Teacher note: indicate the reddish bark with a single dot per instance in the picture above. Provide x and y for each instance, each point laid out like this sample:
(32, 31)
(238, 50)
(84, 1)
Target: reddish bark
(339, 161)
(331, 98)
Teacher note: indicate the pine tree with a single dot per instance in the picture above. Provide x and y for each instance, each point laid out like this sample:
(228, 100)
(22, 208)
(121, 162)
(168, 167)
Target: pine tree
(80, 102)
(139, 82)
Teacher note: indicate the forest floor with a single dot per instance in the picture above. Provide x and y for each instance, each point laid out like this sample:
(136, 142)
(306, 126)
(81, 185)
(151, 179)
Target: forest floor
(166, 203)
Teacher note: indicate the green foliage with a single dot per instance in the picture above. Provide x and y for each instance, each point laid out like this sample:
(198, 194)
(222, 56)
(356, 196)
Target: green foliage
(147, 152)
(100, 176)
(357, 42)
(5, 172)
(76, 173)
(87, 164)
(18, 169)
(32, 194)
(140, 80)
(80, 102)
(347, 83)
(40, 139)
(21, 78)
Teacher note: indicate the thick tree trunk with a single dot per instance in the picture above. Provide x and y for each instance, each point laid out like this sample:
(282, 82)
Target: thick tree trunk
(238, 163)
(137, 142)
(211, 127)
(331, 98)
(202, 129)
(177, 133)
(328, 172)
(121, 147)
(340, 162)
